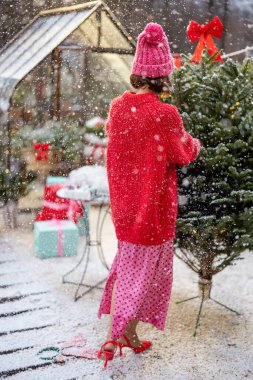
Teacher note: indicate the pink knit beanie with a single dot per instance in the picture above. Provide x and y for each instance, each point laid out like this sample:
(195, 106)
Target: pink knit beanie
(152, 58)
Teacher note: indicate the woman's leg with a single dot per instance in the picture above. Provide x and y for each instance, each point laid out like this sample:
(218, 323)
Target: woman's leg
(109, 333)
(130, 331)
(131, 334)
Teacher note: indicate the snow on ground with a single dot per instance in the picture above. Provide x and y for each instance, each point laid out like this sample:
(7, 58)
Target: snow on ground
(37, 310)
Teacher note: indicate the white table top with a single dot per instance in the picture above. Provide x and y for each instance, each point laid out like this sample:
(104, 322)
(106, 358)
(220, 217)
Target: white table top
(83, 197)
(67, 194)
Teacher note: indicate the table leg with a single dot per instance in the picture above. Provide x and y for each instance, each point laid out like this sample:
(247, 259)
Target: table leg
(86, 255)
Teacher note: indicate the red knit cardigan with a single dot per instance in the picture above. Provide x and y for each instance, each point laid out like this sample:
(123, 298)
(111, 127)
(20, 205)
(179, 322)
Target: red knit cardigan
(146, 140)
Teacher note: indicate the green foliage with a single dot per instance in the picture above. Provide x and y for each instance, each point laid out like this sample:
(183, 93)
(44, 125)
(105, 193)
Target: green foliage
(98, 130)
(15, 183)
(216, 218)
(68, 140)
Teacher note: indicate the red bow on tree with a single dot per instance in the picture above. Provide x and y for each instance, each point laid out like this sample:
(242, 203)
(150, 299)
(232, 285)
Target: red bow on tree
(205, 34)
(41, 151)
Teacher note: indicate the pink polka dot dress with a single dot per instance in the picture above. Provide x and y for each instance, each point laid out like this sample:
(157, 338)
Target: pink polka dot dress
(143, 278)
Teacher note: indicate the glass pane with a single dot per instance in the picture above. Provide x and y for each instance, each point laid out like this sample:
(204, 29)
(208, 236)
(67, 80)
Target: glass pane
(72, 82)
(88, 31)
(32, 97)
(110, 34)
(107, 77)
(37, 42)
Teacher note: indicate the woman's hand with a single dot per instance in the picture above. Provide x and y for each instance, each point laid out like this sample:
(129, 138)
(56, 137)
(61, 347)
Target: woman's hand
(201, 143)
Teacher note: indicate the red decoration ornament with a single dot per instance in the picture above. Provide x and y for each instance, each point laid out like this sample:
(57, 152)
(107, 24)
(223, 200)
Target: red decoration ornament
(205, 34)
(41, 151)
(177, 60)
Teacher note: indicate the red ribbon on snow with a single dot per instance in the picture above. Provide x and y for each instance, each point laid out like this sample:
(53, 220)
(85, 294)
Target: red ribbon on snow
(205, 34)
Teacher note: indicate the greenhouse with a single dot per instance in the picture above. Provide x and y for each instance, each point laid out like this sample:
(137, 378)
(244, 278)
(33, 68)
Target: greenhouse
(59, 59)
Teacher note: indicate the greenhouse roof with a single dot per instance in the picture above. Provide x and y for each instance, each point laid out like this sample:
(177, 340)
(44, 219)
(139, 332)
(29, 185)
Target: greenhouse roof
(93, 22)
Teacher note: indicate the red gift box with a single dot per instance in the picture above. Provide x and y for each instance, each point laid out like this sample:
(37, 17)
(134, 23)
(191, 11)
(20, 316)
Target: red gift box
(58, 208)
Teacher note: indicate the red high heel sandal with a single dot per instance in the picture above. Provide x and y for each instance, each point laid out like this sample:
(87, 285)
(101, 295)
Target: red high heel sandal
(109, 355)
(145, 344)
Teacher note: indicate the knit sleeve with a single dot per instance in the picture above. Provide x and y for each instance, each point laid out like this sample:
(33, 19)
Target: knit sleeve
(182, 148)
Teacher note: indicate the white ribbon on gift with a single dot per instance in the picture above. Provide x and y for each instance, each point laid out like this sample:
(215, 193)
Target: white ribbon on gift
(55, 206)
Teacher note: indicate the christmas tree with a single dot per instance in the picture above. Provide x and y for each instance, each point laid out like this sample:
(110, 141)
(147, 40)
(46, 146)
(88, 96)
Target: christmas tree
(215, 221)
(15, 180)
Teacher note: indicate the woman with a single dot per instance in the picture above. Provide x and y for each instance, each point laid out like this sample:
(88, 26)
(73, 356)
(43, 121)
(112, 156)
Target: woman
(146, 142)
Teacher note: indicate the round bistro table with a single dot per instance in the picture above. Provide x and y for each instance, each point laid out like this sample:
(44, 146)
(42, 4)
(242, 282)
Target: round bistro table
(101, 200)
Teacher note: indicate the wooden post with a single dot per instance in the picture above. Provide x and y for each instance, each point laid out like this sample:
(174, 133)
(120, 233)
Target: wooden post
(225, 21)
(55, 111)
(84, 85)
(98, 18)
(8, 136)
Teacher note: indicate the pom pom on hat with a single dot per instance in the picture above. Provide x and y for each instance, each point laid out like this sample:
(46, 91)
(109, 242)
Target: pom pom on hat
(154, 33)
(152, 57)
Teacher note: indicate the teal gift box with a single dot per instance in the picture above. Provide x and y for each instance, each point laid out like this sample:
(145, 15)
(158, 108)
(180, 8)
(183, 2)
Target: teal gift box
(83, 222)
(55, 180)
(56, 238)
